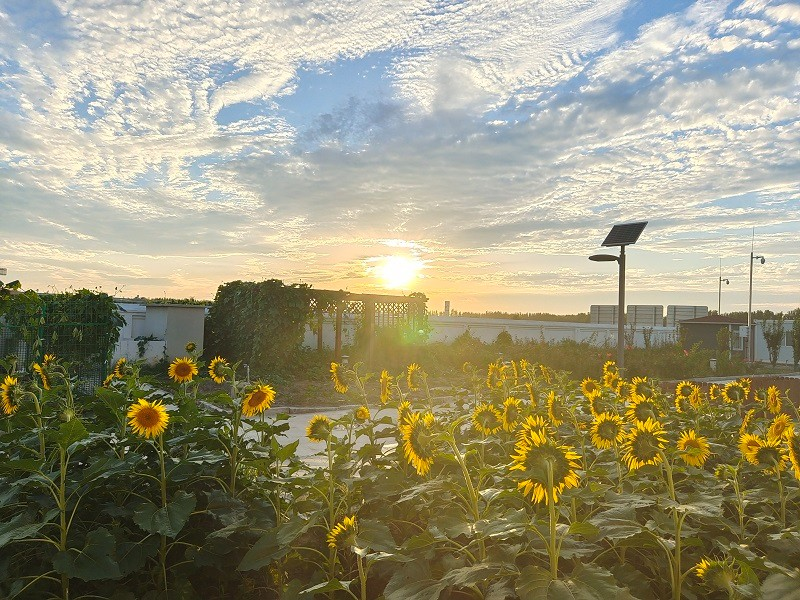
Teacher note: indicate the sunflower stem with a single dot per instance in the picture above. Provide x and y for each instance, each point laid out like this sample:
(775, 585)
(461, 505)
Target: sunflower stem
(162, 554)
(62, 510)
(551, 507)
(473, 493)
(362, 576)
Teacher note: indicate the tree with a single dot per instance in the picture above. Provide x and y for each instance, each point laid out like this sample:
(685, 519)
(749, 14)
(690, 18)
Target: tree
(773, 336)
(795, 316)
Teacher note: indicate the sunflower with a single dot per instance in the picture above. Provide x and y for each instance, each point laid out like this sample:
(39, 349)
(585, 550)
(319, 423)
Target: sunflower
(148, 418)
(182, 369)
(515, 372)
(523, 366)
(258, 400)
(535, 454)
(494, 377)
(763, 452)
(590, 387)
(643, 445)
(547, 374)
(533, 423)
(748, 444)
(686, 392)
(48, 360)
(190, 347)
(362, 413)
(746, 384)
(386, 386)
(319, 428)
(793, 442)
(610, 367)
(746, 421)
(734, 392)
(693, 450)
(43, 375)
(607, 430)
(717, 574)
(769, 455)
(404, 411)
(599, 404)
(337, 376)
(613, 382)
(487, 419)
(217, 369)
(107, 381)
(10, 391)
(714, 392)
(773, 401)
(642, 409)
(556, 411)
(418, 447)
(780, 427)
(343, 534)
(532, 395)
(119, 367)
(413, 373)
(642, 386)
(511, 416)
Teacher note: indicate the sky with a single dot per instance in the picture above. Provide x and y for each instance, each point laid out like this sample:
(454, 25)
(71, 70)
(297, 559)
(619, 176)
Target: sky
(477, 152)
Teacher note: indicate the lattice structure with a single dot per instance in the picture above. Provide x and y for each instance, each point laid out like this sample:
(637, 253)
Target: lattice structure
(377, 311)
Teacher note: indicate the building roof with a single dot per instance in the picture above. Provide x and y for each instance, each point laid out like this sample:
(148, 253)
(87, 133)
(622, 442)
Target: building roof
(716, 320)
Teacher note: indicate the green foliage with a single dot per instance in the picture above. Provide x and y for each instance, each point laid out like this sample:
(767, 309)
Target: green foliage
(773, 335)
(221, 505)
(261, 324)
(795, 316)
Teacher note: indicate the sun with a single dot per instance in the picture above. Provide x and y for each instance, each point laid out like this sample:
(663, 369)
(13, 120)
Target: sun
(397, 272)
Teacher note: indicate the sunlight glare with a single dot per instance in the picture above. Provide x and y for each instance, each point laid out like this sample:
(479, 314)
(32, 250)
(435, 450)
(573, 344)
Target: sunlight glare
(397, 272)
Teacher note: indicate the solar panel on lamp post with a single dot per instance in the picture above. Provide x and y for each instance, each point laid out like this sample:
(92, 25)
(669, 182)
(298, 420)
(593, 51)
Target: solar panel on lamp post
(620, 235)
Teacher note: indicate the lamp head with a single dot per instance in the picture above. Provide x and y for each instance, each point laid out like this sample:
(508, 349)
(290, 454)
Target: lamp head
(727, 282)
(603, 257)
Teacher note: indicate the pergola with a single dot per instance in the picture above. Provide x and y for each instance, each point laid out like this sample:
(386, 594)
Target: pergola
(377, 310)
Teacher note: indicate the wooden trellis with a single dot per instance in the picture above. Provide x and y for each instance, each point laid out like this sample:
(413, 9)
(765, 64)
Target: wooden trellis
(376, 310)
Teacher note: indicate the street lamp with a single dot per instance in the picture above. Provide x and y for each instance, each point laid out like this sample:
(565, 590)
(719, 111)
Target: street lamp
(620, 235)
(751, 346)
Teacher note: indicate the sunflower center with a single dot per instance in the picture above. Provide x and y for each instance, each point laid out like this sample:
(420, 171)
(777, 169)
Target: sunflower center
(608, 430)
(183, 369)
(147, 417)
(256, 398)
(767, 455)
(645, 446)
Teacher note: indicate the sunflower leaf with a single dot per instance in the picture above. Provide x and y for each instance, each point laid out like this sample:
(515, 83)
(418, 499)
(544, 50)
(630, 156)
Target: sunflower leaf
(92, 562)
(167, 520)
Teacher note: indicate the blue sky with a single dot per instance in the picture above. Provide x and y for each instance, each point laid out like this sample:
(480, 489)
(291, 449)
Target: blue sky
(166, 147)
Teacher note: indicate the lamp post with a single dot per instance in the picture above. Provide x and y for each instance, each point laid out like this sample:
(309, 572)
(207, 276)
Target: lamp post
(719, 300)
(751, 346)
(620, 235)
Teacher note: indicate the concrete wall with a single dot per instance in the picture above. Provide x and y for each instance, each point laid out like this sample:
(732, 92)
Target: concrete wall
(785, 355)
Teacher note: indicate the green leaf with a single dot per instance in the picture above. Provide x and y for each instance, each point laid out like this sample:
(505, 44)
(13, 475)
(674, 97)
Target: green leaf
(167, 520)
(70, 432)
(326, 586)
(287, 451)
(273, 544)
(28, 465)
(778, 586)
(587, 582)
(93, 562)
(132, 556)
(18, 528)
(585, 529)
(375, 535)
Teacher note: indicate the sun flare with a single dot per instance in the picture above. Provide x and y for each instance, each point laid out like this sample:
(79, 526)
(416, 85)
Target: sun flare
(397, 272)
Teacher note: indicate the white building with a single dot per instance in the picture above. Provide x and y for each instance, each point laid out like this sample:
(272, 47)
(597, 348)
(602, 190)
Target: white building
(159, 331)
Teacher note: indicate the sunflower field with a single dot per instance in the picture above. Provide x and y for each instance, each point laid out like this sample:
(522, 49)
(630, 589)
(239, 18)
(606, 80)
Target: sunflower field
(517, 483)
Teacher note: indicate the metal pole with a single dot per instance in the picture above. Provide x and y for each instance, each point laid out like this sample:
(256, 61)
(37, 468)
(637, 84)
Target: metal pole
(749, 314)
(621, 311)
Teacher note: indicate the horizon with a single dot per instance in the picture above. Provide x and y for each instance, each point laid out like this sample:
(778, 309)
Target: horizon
(476, 153)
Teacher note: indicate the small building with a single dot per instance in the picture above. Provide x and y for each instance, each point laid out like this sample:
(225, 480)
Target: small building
(159, 331)
(704, 330)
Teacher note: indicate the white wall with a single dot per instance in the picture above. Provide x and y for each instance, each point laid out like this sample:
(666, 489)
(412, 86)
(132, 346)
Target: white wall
(785, 355)
(446, 329)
